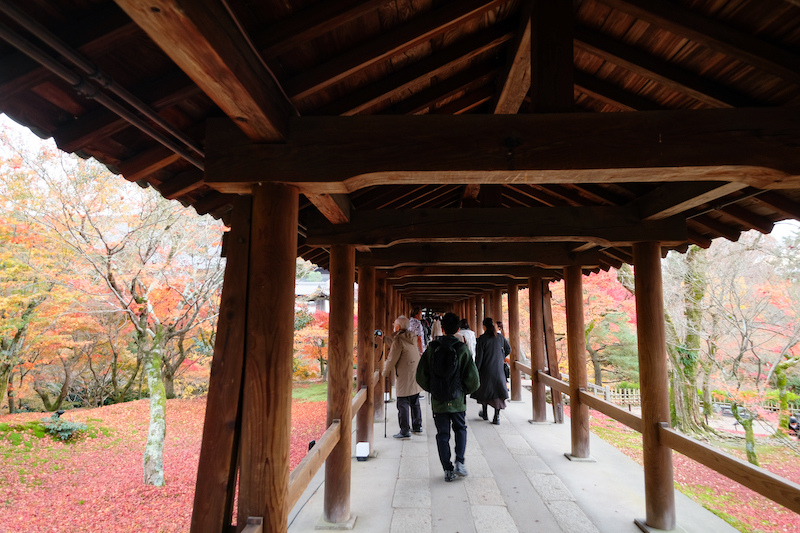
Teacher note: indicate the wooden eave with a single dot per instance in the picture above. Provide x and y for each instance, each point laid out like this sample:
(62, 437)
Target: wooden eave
(416, 127)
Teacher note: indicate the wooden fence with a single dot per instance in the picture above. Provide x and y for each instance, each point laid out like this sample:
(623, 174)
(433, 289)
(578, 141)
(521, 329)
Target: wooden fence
(776, 488)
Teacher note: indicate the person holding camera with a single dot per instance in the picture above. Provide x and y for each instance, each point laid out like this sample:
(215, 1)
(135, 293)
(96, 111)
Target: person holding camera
(403, 358)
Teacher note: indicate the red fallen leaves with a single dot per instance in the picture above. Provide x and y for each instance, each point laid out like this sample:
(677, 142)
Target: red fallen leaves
(96, 484)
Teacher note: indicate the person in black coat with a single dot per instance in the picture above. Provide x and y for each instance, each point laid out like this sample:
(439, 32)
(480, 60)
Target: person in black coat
(490, 354)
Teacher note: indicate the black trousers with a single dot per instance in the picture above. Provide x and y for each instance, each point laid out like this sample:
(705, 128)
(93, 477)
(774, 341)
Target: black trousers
(404, 405)
(443, 422)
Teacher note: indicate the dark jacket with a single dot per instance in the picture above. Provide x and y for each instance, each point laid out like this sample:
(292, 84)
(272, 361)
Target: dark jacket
(469, 376)
(490, 354)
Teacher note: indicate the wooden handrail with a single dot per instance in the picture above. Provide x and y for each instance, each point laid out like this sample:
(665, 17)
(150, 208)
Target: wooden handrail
(553, 383)
(375, 377)
(301, 476)
(359, 399)
(766, 483)
(522, 367)
(772, 486)
(607, 408)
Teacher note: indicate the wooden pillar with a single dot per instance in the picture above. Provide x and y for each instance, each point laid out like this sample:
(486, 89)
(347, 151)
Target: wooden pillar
(497, 308)
(576, 346)
(391, 315)
(267, 400)
(479, 309)
(552, 355)
(537, 348)
(473, 313)
(340, 382)
(513, 332)
(366, 351)
(379, 352)
(216, 471)
(658, 478)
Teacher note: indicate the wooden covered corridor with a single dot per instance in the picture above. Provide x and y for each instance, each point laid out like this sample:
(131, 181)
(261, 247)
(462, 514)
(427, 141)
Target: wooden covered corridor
(446, 151)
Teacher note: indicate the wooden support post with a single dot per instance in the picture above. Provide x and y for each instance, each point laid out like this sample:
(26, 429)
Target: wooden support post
(473, 314)
(366, 352)
(552, 355)
(479, 315)
(267, 400)
(340, 382)
(513, 332)
(658, 478)
(391, 315)
(576, 352)
(216, 471)
(537, 349)
(379, 352)
(497, 309)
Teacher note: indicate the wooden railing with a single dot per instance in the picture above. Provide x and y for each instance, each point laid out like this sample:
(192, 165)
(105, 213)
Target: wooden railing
(776, 488)
(305, 471)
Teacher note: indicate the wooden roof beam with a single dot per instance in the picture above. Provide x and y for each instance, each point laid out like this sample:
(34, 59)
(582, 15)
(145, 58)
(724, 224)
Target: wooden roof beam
(717, 36)
(181, 184)
(423, 101)
(467, 103)
(334, 207)
(433, 66)
(752, 146)
(661, 72)
(430, 26)
(779, 203)
(102, 29)
(516, 80)
(676, 198)
(454, 271)
(207, 44)
(601, 225)
(543, 255)
(307, 24)
(611, 94)
(145, 163)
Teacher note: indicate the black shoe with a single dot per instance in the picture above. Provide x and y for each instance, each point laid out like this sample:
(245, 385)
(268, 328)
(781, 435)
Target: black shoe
(402, 436)
(496, 420)
(416, 430)
(483, 414)
(449, 475)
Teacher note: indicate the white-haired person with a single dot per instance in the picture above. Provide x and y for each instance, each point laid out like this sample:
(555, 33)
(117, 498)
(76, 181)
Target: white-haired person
(403, 359)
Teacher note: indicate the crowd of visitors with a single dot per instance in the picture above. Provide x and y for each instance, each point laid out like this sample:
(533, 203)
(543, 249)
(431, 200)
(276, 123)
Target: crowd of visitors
(442, 356)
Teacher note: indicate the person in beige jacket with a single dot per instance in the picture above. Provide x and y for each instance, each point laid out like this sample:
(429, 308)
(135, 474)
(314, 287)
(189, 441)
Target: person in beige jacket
(403, 358)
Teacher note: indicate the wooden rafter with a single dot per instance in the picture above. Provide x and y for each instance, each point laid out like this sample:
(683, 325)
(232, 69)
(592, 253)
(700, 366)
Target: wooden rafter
(390, 44)
(205, 42)
(722, 38)
(611, 94)
(394, 85)
(662, 72)
(516, 80)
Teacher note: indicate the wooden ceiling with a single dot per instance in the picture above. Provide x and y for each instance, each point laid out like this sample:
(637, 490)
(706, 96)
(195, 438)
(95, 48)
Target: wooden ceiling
(459, 142)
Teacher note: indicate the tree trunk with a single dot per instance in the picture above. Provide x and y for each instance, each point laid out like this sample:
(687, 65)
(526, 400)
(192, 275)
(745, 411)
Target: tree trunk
(157, 430)
(169, 385)
(749, 437)
(596, 366)
(5, 373)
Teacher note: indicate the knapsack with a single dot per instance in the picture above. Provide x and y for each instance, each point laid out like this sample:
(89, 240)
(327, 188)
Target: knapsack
(445, 372)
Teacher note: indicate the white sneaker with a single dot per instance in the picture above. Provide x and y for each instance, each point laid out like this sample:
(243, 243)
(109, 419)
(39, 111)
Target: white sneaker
(460, 469)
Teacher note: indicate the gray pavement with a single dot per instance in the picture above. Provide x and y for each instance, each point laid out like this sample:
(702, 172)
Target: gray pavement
(519, 480)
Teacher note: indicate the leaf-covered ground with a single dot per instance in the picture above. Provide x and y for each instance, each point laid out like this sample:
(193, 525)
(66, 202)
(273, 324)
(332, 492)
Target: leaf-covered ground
(95, 484)
(741, 507)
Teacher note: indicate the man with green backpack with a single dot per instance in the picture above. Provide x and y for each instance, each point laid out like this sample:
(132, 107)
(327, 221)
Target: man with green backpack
(448, 372)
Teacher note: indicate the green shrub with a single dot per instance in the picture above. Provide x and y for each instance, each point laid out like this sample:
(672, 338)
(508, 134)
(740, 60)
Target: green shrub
(63, 429)
(627, 385)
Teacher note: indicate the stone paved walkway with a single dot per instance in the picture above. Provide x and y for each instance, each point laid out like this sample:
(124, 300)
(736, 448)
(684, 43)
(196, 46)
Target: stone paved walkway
(519, 480)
